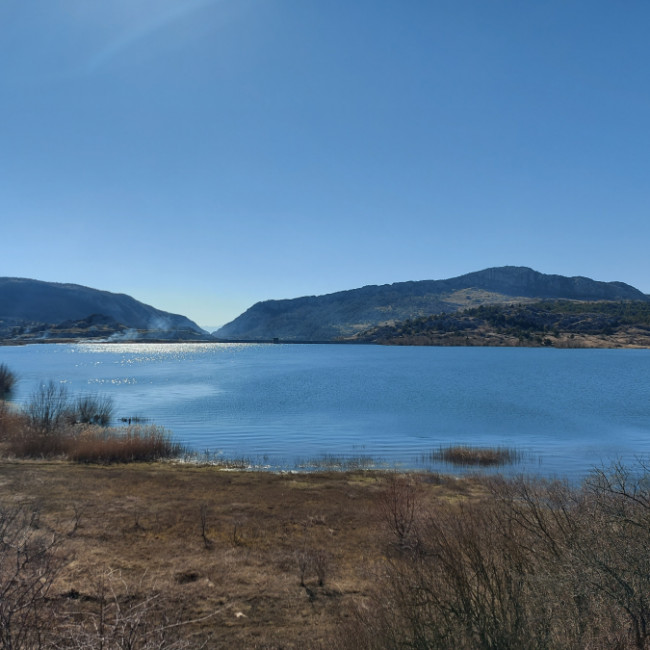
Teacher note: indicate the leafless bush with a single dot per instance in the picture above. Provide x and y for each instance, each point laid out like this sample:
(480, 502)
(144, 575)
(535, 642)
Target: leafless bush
(7, 380)
(48, 408)
(615, 551)
(536, 564)
(399, 505)
(78, 511)
(303, 561)
(120, 615)
(321, 562)
(28, 567)
(313, 562)
(42, 429)
(93, 409)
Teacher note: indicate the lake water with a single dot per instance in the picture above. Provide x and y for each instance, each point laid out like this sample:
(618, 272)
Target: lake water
(287, 406)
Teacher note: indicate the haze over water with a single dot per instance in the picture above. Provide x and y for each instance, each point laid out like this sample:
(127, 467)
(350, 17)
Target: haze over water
(284, 406)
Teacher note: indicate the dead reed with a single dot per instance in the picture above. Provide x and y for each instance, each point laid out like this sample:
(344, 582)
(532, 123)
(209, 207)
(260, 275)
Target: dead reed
(123, 445)
(466, 456)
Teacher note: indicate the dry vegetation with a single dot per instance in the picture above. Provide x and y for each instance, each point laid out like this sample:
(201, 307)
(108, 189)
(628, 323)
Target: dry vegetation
(465, 455)
(199, 555)
(53, 425)
(168, 555)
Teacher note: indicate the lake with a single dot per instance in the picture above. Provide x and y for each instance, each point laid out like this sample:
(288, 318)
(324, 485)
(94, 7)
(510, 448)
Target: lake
(292, 406)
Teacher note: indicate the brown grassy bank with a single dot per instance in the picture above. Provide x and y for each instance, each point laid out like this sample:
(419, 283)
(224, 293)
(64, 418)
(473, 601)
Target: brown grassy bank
(246, 560)
(169, 556)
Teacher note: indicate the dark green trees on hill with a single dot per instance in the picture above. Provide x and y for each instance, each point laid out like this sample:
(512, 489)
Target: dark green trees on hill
(525, 322)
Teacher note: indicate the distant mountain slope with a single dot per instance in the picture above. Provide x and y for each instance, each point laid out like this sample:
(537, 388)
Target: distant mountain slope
(34, 303)
(553, 323)
(343, 314)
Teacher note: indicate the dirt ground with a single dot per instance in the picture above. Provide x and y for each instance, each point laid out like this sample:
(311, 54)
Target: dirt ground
(231, 559)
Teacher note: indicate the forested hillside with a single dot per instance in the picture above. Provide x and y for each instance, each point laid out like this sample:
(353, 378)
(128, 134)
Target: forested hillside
(559, 323)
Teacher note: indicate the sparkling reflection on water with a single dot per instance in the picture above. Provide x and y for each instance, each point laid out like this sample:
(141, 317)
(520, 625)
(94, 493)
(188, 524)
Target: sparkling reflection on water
(291, 405)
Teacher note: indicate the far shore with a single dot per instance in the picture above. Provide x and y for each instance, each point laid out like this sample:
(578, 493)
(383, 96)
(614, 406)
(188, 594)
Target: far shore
(627, 340)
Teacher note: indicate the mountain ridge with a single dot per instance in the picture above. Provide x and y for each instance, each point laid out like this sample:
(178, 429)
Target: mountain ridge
(343, 314)
(31, 308)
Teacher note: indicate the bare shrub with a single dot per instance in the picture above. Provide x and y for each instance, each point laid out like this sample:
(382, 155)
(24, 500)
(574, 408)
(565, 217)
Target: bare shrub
(93, 409)
(312, 562)
(321, 562)
(399, 505)
(535, 564)
(49, 408)
(121, 615)
(468, 586)
(7, 380)
(28, 566)
(303, 561)
(615, 549)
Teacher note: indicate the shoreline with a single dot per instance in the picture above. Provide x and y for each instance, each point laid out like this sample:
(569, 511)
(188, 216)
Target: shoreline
(483, 340)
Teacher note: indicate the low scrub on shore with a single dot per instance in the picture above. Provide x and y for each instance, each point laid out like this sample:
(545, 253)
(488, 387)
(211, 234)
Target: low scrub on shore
(86, 444)
(54, 425)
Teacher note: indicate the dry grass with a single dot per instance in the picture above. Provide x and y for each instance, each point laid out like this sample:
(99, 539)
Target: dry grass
(189, 556)
(255, 560)
(83, 443)
(467, 456)
(123, 445)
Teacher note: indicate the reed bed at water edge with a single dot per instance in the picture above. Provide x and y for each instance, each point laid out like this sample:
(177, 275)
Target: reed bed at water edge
(467, 455)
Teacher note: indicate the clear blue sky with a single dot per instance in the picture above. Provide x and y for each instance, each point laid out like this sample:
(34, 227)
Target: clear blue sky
(202, 155)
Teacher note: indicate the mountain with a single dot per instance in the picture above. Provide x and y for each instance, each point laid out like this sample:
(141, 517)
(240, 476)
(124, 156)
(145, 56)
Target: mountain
(345, 313)
(35, 309)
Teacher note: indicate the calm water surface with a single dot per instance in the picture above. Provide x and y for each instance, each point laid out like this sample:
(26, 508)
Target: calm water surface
(288, 405)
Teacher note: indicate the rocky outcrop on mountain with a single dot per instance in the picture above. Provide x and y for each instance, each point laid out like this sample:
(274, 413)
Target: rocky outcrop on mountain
(345, 313)
(33, 309)
(522, 281)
